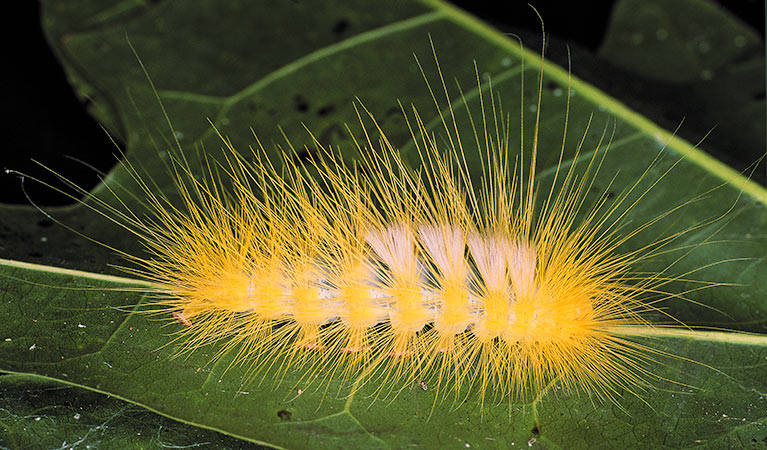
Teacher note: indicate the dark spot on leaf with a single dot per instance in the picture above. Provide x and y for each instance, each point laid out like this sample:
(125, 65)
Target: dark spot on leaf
(394, 110)
(341, 26)
(284, 415)
(759, 95)
(304, 154)
(325, 110)
(536, 430)
(35, 254)
(394, 115)
(301, 104)
(610, 194)
(551, 85)
(45, 223)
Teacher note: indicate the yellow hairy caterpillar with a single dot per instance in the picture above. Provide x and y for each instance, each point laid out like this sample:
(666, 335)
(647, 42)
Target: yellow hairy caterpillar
(459, 269)
(462, 277)
(499, 259)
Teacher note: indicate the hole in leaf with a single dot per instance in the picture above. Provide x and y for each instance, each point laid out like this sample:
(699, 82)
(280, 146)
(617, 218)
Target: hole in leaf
(341, 26)
(325, 110)
(301, 104)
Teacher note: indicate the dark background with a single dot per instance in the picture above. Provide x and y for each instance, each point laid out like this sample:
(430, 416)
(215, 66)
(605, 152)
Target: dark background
(45, 121)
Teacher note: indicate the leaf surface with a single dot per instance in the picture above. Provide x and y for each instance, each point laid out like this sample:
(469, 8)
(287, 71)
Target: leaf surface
(68, 326)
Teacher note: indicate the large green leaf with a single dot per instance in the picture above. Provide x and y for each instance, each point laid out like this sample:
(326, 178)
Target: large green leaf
(706, 66)
(209, 61)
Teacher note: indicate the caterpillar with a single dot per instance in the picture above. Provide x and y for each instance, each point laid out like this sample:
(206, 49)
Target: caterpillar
(379, 273)
(263, 256)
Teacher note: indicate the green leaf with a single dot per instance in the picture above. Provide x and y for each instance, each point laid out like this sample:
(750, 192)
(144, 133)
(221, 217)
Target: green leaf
(705, 65)
(210, 61)
(40, 413)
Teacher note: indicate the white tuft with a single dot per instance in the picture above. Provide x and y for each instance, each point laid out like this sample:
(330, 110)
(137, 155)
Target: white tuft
(522, 260)
(395, 246)
(489, 253)
(446, 246)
